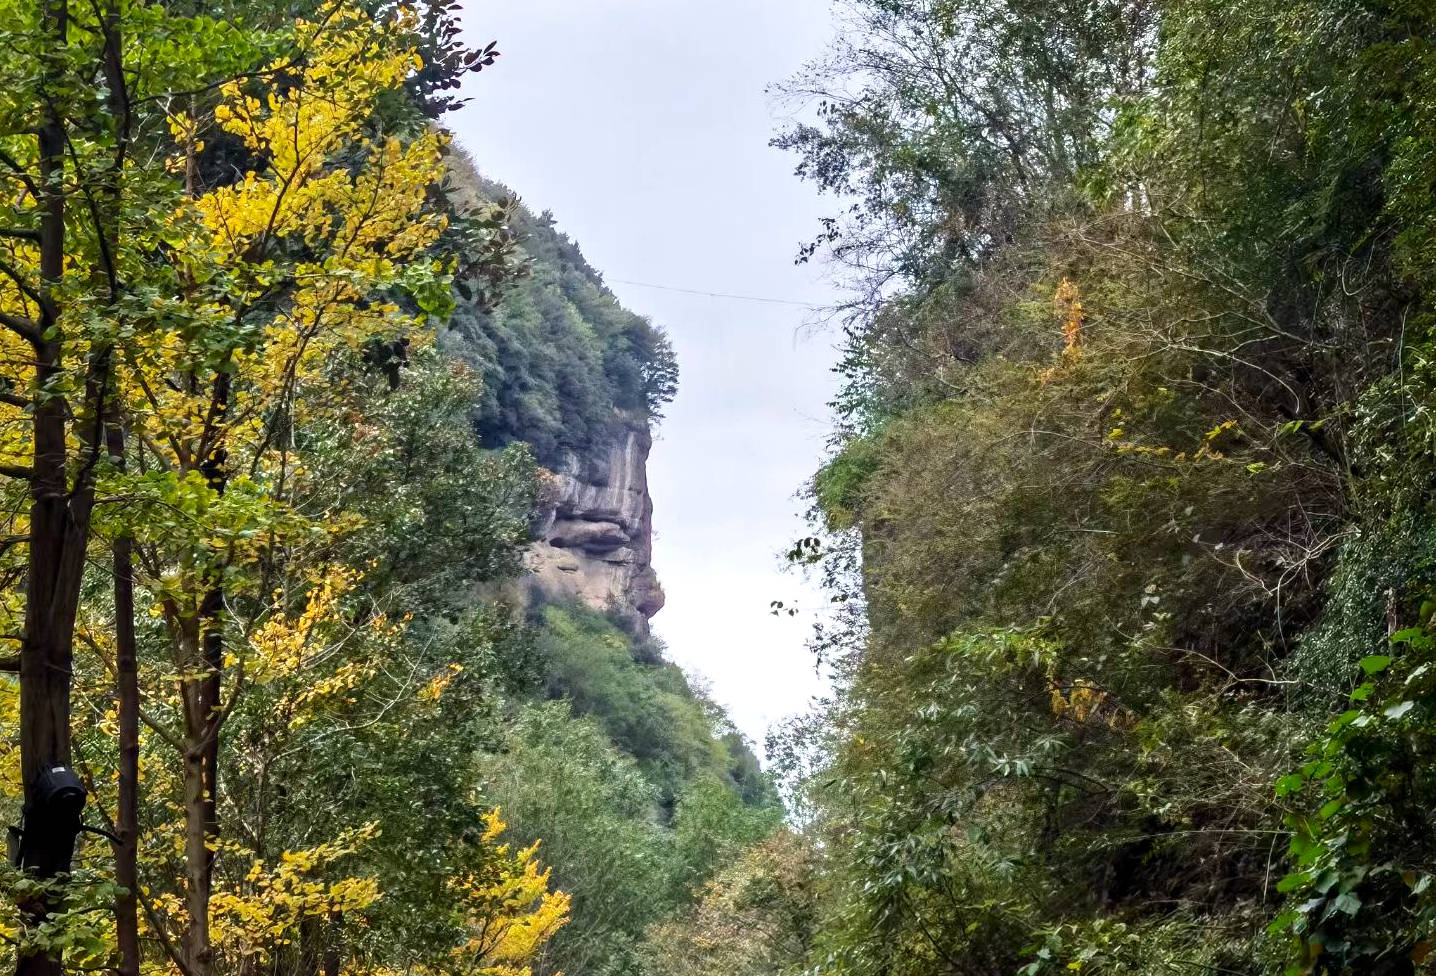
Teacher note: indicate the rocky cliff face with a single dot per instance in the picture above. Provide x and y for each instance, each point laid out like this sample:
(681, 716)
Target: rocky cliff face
(595, 530)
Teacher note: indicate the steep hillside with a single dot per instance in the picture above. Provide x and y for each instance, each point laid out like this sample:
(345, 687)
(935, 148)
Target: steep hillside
(657, 784)
(570, 372)
(1131, 498)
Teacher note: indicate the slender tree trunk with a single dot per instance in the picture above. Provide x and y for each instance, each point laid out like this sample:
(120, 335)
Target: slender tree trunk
(331, 946)
(201, 776)
(201, 791)
(59, 539)
(201, 780)
(198, 863)
(46, 648)
(199, 713)
(212, 640)
(127, 931)
(309, 948)
(203, 712)
(127, 692)
(62, 501)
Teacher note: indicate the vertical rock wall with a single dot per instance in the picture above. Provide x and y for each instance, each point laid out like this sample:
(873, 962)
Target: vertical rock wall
(595, 530)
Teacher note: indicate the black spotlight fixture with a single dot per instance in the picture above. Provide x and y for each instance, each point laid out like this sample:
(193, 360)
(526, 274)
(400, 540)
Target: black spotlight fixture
(51, 822)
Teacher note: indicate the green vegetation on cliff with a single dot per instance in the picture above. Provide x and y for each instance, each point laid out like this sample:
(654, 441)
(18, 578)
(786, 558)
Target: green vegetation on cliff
(558, 356)
(645, 705)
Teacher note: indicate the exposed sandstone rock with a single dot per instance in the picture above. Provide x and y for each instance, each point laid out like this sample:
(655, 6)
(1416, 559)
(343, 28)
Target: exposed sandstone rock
(595, 531)
(593, 537)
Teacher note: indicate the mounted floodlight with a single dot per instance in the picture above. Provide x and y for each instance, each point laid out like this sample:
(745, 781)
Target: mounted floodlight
(52, 821)
(59, 794)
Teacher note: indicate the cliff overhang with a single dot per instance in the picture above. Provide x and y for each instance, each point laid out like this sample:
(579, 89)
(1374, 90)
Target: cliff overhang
(594, 529)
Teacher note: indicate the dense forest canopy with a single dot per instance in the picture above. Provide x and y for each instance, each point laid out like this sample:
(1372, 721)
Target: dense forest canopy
(1128, 511)
(278, 373)
(1126, 522)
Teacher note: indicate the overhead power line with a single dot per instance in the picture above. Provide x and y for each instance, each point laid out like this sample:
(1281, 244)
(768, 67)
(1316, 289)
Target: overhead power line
(714, 294)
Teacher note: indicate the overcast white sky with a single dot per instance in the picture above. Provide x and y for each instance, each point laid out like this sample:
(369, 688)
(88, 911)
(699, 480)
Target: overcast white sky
(644, 126)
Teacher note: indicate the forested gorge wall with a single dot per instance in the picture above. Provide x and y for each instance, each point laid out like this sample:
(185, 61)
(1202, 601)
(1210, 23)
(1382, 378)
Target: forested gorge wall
(290, 404)
(1128, 523)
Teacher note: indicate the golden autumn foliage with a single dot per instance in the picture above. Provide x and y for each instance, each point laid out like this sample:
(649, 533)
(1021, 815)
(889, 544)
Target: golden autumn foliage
(263, 911)
(1067, 304)
(256, 294)
(329, 221)
(321, 654)
(10, 781)
(508, 909)
(277, 275)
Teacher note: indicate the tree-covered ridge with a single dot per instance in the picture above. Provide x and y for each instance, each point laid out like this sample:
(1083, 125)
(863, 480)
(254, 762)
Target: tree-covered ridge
(563, 363)
(1129, 508)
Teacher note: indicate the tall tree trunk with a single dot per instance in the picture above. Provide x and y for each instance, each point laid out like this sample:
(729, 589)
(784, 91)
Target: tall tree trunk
(198, 864)
(332, 959)
(199, 713)
(201, 771)
(46, 648)
(308, 948)
(127, 690)
(213, 642)
(204, 648)
(127, 931)
(127, 693)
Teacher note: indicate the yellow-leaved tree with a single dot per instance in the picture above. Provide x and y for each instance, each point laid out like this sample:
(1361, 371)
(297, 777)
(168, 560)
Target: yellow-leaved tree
(312, 248)
(213, 253)
(506, 908)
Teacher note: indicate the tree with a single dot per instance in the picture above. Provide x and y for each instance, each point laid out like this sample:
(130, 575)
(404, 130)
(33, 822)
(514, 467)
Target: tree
(754, 918)
(270, 277)
(507, 909)
(69, 267)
